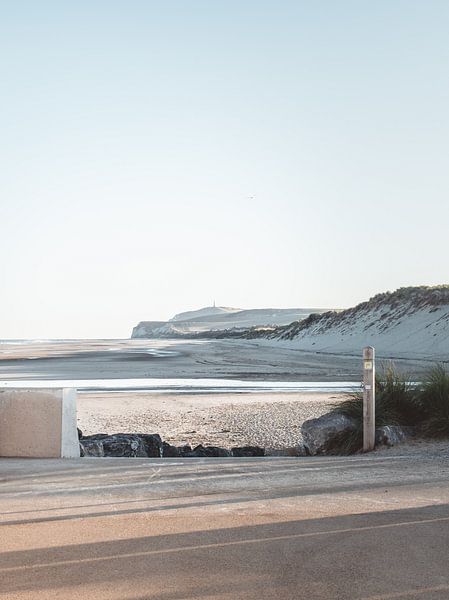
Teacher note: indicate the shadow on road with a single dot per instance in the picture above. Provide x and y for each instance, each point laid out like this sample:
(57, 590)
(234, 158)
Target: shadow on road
(390, 554)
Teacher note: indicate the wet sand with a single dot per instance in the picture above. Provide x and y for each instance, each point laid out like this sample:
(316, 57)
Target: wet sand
(221, 359)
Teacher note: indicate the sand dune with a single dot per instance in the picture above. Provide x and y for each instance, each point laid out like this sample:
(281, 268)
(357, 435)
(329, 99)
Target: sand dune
(408, 323)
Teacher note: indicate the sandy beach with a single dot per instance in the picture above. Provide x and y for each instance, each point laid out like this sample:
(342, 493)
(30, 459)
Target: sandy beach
(269, 420)
(210, 416)
(272, 421)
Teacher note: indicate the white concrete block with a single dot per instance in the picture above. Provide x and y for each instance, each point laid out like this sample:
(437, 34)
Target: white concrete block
(39, 423)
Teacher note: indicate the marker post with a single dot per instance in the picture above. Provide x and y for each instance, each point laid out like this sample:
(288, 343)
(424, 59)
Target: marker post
(369, 399)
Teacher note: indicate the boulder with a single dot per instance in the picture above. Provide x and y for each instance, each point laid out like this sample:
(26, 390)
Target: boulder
(391, 435)
(91, 448)
(201, 451)
(197, 452)
(169, 451)
(217, 452)
(129, 445)
(317, 433)
(143, 445)
(246, 451)
(152, 443)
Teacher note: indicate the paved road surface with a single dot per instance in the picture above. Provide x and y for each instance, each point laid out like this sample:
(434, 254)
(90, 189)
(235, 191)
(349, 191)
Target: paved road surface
(366, 527)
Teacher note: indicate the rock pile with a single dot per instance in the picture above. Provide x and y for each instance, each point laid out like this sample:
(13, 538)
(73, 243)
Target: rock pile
(144, 445)
(319, 433)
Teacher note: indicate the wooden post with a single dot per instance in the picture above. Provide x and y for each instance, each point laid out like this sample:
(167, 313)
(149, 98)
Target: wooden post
(369, 398)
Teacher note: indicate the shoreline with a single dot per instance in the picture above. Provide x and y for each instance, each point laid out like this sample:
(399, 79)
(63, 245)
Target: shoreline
(245, 360)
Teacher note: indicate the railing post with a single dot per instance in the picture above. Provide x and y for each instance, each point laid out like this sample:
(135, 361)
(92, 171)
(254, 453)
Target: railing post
(369, 398)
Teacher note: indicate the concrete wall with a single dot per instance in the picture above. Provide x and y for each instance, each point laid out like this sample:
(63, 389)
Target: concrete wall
(38, 423)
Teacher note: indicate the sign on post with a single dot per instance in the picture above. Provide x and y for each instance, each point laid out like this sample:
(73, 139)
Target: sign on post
(369, 398)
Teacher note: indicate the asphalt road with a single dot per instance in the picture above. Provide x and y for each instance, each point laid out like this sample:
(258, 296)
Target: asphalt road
(134, 529)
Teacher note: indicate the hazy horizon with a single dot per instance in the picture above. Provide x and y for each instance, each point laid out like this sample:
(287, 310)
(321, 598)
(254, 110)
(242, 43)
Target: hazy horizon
(156, 156)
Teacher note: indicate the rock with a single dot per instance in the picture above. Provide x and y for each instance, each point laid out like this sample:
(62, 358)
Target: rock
(201, 451)
(152, 443)
(129, 445)
(217, 452)
(169, 451)
(183, 450)
(302, 450)
(245, 451)
(317, 433)
(143, 445)
(197, 452)
(91, 448)
(391, 435)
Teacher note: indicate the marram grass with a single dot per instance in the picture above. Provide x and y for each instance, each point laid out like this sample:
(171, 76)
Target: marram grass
(433, 402)
(398, 402)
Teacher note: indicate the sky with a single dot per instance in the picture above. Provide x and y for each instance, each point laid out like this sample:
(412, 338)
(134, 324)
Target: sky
(156, 156)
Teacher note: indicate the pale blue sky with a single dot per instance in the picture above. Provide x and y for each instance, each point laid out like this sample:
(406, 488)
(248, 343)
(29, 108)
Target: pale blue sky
(157, 155)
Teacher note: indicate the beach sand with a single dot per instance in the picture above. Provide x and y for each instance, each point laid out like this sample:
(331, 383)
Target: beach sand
(270, 420)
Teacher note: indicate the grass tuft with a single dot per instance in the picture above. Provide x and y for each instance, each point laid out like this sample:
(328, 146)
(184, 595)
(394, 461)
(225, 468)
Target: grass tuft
(396, 404)
(434, 403)
(396, 400)
(345, 443)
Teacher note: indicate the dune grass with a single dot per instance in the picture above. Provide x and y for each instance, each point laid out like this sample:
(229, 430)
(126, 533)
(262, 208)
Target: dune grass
(433, 400)
(398, 402)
